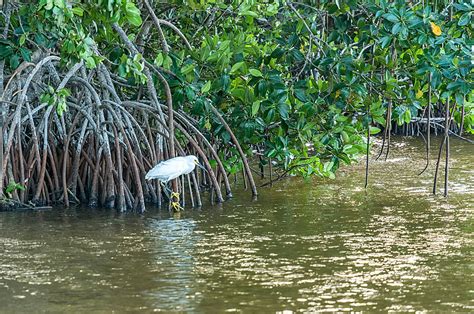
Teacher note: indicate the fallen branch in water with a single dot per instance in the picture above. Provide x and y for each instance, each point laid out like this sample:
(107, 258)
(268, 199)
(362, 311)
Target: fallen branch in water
(450, 132)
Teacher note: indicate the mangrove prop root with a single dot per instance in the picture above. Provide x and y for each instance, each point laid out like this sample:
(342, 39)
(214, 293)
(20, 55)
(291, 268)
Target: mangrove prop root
(367, 157)
(99, 150)
(239, 148)
(446, 136)
(445, 140)
(428, 128)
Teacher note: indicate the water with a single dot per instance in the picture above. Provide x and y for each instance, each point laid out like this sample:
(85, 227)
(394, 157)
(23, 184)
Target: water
(303, 246)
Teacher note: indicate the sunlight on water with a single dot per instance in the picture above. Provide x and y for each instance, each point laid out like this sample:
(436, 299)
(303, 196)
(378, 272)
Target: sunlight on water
(318, 245)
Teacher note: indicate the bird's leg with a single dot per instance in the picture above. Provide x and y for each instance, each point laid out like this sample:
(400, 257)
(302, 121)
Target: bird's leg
(175, 201)
(172, 196)
(166, 190)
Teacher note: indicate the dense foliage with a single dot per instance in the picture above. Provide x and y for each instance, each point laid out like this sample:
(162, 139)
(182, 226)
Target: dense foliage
(299, 82)
(289, 74)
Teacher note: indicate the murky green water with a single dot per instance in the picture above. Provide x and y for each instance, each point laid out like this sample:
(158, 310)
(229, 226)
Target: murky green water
(303, 246)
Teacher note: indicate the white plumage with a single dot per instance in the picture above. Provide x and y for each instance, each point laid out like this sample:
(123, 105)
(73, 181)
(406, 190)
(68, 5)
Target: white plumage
(172, 168)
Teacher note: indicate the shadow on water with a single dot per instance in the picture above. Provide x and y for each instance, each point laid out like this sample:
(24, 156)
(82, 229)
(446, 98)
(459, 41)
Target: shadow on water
(303, 245)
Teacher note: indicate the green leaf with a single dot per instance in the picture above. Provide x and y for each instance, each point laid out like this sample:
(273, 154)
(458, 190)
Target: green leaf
(345, 137)
(256, 73)
(239, 93)
(167, 62)
(277, 53)
(61, 107)
(236, 67)
(49, 5)
(349, 149)
(5, 51)
(25, 54)
(78, 11)
(187, 68)
(122, 69)
(90, 62)
(14, 61)
(301, 95)
(64, 92)
(60, 4)
(249, 13)
(262, 87)
(328, 166)
(255, 107)
(435, 78)
(459, 99)
(422, 39)
(464, 20)
(391, 17)
(461, 7)
(407, 116)
(374, 130)
(89, 41)
(133, 14)
(207, 125)
(396, 28)
(385, 41)
(283, 109)
(110, 4)
(454, 85)
(12, 186)
(225, 82)
(206, 87)
(44, 98)
(190, 94)
(22, 39)
(159, 59)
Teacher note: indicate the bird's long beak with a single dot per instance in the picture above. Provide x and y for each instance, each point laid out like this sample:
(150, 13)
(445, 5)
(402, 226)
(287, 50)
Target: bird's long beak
(201, 166)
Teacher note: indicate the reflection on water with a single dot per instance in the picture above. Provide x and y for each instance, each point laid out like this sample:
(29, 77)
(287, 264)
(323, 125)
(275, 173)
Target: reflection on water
(172, 267)
(307, 246)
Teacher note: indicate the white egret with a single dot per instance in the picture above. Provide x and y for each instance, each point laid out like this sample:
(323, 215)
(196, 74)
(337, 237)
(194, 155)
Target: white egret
(172, 168)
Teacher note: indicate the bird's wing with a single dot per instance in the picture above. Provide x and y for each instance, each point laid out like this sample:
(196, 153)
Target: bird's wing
(167, 170)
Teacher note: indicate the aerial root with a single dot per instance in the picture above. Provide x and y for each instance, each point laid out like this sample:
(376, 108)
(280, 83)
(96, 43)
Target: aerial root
(100, 149)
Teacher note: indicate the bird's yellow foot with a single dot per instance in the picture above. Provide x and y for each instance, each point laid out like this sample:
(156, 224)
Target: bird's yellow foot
(175, 195)
(175, 201)
(176, 206)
